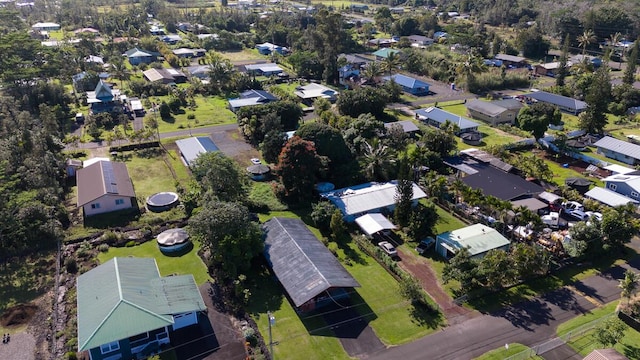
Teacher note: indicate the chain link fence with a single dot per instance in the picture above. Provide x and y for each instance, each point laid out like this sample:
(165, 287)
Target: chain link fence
(558, 341)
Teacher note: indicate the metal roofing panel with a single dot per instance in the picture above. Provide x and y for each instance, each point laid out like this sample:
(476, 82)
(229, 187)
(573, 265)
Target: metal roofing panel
(177, 294)
(304, 266)
(485, 107)
(440, 116)
(406, 125)
(532, 204)
(478, 238)
(619, 169)
(549, 197)
(192, 147)
(368, 197)
(619, 146)
(407, 81)
(115, 302)
(512, 58)
(608, 197)
(558, 100)
(373, 223)
(92, 181)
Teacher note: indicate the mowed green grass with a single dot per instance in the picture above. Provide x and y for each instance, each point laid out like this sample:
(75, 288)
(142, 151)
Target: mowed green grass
(189, 263)
(149, 175)
(586, 343)
(209, 111)
(503, 353)
(244, 55)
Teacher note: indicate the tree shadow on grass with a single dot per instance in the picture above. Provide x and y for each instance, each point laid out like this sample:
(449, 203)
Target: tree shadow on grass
(632, 352)
(266, 292)
(425, 316)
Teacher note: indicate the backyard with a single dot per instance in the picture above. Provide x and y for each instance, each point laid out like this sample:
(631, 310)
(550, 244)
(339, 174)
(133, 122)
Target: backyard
(189, 263)
(208, 111)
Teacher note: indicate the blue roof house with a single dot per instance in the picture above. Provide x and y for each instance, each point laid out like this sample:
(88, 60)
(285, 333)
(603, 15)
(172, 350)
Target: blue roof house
(251, 98)
(436, 117)
(137, 56)
(619, 150)
(409, 84)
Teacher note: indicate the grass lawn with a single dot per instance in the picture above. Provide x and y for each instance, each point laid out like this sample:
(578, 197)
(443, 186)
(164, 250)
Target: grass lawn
(503, 353)
(24, 280)
(208, 111)
(560, 173)
(189, 263)
(287, 88)
(393, 319)
(180, 169)
(591, 316)
(492, 302)
(244, 55)
(262, 193)
(149, 174)
(584, 344)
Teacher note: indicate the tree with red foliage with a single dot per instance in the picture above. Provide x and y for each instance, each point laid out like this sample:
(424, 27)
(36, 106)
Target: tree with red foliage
(297, 167)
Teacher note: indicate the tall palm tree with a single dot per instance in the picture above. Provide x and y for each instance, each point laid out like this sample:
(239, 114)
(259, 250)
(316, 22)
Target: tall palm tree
(613, 46)
(372, 72)
(469, 67)
(119, 71)
(377, 161)
(629, 284)
(587, 38)
(391, 63)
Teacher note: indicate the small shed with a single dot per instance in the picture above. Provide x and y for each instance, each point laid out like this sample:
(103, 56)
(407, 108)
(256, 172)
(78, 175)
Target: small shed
(374, 223)
(478, 238)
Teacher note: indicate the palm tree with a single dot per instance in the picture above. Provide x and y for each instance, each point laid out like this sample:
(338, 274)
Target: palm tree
(119, 71)
(629, 284)
(372, 72)
(377, 161)
(613, 46)
(391, 63)
(587, 38)
(467, 69)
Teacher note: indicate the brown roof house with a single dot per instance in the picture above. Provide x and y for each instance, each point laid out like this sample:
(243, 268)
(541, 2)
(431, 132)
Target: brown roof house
(104, 186)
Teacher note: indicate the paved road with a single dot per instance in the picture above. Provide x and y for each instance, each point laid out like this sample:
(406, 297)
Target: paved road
(529, 323)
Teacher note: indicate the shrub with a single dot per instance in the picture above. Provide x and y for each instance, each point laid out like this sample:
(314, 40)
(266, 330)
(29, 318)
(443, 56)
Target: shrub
(191, 116)
(71, 356)
(71, 265)
(110, 237)
(250, 336)
(103, 248)
(130, 244)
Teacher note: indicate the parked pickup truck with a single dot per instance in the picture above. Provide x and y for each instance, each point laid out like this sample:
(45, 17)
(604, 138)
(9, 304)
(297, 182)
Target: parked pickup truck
(425, 245)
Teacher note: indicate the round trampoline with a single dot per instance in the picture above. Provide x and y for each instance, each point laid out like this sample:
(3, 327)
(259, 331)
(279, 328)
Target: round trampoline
(162, 201)
(173, 241)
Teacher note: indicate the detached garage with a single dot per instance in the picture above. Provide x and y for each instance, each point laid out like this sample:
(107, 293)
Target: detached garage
(478, 238)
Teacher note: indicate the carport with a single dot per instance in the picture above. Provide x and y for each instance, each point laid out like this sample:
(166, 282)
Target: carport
(374, 223)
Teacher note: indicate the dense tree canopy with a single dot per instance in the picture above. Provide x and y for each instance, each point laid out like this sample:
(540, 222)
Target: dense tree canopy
(220, 176)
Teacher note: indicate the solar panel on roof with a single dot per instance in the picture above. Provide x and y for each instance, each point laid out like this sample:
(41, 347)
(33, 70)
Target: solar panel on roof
(109, 177)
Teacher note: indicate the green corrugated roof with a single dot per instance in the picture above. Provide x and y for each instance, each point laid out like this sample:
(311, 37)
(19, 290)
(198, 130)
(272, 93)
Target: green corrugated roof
(478, 238)
(126, 296)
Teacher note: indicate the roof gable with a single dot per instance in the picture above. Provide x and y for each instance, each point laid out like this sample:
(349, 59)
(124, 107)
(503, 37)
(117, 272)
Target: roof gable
(367, 197)
(503, 185)
(558, 100)
(192, 147)
(619, 146)
(304, 266)
(103, 91)
(478, 238)
(441, 116)
(126, 296)
(102, 178)
(407, 81)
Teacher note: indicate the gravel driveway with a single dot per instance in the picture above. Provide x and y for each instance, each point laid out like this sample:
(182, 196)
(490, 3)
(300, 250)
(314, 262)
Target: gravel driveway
(21, 346)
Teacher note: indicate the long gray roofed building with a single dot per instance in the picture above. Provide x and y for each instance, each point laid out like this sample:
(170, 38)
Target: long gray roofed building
(191, 148)
(304, 266)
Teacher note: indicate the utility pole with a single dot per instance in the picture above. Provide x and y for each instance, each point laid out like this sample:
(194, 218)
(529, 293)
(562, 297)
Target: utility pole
(272, 322)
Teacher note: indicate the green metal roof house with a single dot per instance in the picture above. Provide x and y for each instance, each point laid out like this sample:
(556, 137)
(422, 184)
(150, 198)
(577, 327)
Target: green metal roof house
(478, 238)
(126, 310)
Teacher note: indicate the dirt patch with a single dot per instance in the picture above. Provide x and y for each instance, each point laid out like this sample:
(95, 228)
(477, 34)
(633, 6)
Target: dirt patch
(573, 164)
(18, 315)
(421, 269)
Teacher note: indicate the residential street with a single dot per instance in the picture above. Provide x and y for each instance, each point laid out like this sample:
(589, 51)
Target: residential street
(530, 323)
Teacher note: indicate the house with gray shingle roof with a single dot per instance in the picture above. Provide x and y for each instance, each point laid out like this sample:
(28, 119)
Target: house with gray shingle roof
(494, 112)
(126, 310)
